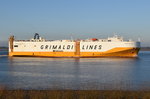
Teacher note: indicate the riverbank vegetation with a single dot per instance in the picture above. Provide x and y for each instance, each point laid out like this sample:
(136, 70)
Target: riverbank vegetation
(73, 94)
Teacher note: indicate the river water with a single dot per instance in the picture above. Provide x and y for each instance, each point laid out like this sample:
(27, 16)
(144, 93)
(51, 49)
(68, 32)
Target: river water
(75, 73)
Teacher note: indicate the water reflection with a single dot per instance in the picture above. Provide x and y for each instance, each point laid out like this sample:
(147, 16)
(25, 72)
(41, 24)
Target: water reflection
(75, 73)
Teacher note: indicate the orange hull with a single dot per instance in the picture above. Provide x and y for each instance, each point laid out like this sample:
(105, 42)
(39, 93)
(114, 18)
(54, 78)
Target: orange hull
(116, 52)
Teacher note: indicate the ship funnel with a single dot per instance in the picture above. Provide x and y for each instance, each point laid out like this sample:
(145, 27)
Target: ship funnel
(36, 36)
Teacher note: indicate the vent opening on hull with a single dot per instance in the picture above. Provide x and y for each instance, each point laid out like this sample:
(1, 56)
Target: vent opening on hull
(15, 45)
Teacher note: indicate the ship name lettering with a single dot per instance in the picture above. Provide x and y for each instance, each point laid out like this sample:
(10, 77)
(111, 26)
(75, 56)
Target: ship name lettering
(95, 47)
(100, 47)
(50, 47)
(57, 47)
(46, 47)
(63, 46)
(86, 47)
(83, 47)
(42, 46)
(72, 47)
(91, 47)
(54, 46)
(68, 46)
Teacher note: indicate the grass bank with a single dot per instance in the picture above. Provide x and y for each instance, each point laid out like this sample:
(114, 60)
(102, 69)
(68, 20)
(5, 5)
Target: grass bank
(73, 94)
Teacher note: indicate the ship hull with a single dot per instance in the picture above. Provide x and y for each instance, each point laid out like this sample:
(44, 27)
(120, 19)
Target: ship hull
(115, 52)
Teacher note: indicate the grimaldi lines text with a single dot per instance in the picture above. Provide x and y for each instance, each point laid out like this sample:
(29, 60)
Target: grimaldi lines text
(111, 47)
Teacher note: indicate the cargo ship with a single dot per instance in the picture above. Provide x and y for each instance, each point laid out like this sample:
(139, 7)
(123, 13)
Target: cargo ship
(39, 47)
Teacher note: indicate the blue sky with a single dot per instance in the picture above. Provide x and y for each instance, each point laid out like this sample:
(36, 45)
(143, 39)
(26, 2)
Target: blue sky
(61, 19)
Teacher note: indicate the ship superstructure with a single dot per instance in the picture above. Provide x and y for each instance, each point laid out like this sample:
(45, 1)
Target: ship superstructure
(110, 47)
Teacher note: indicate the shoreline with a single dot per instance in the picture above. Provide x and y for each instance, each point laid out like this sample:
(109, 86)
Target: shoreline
(145, 49)
(74, 94)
